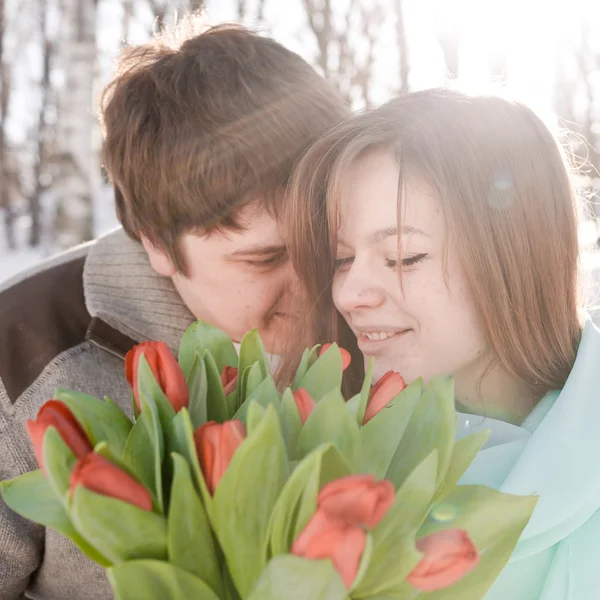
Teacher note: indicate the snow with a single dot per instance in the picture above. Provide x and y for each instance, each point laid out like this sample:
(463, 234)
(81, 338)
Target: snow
(12, 263)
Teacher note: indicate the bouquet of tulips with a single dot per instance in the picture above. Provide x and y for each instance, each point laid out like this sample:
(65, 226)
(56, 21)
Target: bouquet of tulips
(223, 488)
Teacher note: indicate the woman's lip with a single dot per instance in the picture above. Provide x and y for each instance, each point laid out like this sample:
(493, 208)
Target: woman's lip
(367, 346)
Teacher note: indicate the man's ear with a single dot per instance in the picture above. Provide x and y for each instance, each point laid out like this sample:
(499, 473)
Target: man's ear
(159, 259)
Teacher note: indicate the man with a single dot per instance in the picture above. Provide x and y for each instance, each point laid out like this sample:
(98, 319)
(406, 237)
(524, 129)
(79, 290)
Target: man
(200, 138)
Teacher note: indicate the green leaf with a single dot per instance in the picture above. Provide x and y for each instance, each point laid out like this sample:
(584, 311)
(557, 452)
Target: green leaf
(118, 530)
(325, 375)
(331, 422)
(198, 387)
(333, 465)
(251, 351)
(59, 462)
(431, 427)
(291, 423)
(31, 496)
(365, 393)
(381, 436)
(181, 441)
(394, 552)
(190, 541)
(463, 453)
(301, 489)
(155, 580)
(254, 378)
(101, 420)
(483, 512)
(365, 561)
(476, 584)
(254, 416)
(295, 578)
(149, 387)
(201, 337)
(244, 500)
(265, 394)
(144, 450)
(307, 360)
(218, 407)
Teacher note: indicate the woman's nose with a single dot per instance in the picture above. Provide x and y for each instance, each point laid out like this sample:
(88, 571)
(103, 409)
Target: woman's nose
(357, 288)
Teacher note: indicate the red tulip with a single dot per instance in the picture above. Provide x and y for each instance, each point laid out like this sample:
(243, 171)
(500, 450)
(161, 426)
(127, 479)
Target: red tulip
(346, 358)
(216, 444)
(229, 377)
(165, 368)
(99, 475)
(357, 499)
(335, 539)
(57, 414)
(304, 403)
(448, 556)
(382, 393)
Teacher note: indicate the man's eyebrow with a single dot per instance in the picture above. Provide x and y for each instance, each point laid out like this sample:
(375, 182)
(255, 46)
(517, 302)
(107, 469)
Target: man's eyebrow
(260, 250)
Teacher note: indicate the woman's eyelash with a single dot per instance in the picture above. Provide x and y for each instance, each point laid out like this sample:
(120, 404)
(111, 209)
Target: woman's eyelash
(409, 261)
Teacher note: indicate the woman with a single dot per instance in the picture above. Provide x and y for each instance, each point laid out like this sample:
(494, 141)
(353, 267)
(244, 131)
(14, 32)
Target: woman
(443, 228)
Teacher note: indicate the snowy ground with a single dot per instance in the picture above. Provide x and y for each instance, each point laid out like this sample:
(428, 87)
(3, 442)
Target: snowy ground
(12, 263)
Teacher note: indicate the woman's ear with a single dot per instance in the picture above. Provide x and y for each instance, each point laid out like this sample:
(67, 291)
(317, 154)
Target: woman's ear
(159, 259)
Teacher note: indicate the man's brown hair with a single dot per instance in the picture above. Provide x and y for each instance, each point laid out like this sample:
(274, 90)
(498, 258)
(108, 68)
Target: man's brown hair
(200, 123)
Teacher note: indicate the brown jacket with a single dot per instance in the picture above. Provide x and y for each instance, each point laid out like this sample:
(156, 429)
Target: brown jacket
(69, 324)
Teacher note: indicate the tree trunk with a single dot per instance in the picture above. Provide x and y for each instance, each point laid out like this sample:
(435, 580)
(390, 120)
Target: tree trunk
(402, 47)
(74, 215)
(35, 199)
(5, 203)
(127, 18)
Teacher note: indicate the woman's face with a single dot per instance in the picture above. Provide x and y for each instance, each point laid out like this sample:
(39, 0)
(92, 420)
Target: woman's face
(426, 325)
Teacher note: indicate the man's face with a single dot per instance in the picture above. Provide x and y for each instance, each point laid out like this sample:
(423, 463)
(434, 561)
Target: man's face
(237, 280)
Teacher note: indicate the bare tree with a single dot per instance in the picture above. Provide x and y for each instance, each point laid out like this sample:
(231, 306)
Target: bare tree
(5, 175)
(402, 46)
(244, 14)
(41, 163)
(346, 43)
(127, 18)
(74, 216)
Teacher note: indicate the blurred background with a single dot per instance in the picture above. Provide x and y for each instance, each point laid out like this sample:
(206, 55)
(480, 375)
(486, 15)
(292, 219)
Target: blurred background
(56, 55)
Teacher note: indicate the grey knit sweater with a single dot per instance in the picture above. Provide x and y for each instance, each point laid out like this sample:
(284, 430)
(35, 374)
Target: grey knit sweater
(121, 289)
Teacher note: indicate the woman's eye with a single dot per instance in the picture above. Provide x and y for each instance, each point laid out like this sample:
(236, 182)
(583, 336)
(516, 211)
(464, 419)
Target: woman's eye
(342, 262)
(409, 261)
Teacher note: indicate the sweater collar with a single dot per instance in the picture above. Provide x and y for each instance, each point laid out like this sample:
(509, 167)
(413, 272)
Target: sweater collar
(122, 289)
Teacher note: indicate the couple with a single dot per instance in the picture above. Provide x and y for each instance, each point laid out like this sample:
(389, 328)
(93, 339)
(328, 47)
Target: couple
(437, 234)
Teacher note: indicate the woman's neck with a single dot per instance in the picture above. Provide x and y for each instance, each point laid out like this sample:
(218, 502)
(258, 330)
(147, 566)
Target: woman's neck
(497, 396)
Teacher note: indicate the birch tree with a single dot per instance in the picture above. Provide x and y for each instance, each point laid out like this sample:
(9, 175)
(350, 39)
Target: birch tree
(5, 175)
(74, 214)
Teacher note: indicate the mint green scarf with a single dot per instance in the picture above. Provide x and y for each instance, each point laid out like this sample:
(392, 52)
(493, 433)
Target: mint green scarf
(554, 454)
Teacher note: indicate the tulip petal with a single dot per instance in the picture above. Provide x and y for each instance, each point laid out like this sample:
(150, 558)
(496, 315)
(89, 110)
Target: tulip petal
(346, 357)
(99, 475)
(58, 415)
(166, 371)
(326, 537)
(448, 556)
(304, 403)
(216, 444)
(383, 392)
(357, 499)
